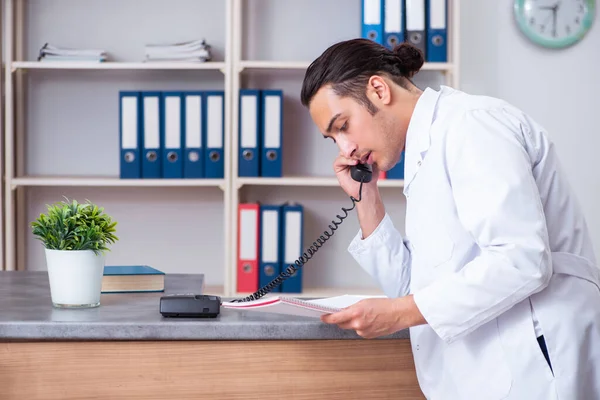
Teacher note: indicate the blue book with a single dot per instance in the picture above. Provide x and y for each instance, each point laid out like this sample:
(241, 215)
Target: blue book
(132, 278)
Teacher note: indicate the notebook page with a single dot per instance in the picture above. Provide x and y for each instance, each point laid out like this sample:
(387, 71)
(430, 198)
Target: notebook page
(341, 301)
(294, 306)
(279, 307)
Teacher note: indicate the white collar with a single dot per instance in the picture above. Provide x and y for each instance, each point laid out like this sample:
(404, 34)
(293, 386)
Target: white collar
(418, 135)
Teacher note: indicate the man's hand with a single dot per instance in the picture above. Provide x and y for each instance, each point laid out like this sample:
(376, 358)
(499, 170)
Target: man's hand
(372, 318)
(370, 210)
(342, 166)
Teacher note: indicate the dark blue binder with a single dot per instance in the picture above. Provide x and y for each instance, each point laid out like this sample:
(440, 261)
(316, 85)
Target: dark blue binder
(214, 121)
(292, 244)
(193, 163)
(437, 30)
(397, 171)
(372, 15)
(249, 136)
(152, 154)
(272, 133)
(394, 23)
(172, 129)
(270, 244)
(130, 135)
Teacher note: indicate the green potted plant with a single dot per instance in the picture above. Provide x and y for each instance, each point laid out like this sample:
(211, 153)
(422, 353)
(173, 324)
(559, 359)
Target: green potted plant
(76, 237)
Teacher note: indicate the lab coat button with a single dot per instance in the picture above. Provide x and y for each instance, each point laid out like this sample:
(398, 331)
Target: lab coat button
(419, 163)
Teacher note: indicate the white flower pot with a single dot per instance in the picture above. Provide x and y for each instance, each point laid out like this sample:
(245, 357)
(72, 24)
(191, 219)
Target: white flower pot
(75, 277)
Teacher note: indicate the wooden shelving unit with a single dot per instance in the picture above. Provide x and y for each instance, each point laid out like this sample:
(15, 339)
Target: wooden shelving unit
(234, 68)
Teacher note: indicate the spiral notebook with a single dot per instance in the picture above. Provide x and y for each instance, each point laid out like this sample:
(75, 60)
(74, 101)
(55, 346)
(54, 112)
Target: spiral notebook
(294, 306)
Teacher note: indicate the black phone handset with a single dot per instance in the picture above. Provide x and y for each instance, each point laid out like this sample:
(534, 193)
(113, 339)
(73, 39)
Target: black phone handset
(361, 173)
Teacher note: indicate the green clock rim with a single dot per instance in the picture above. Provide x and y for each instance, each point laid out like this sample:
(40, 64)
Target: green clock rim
(586, 24)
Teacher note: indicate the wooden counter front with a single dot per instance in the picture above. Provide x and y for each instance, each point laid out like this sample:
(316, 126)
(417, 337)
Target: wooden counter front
(223, 370)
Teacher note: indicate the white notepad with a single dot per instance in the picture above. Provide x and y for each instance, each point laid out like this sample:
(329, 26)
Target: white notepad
(293, 306)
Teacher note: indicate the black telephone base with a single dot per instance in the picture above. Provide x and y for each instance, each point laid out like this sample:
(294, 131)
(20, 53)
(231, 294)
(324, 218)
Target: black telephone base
(190, 306)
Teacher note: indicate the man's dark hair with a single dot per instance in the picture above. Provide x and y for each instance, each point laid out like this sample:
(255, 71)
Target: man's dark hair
(348, 65)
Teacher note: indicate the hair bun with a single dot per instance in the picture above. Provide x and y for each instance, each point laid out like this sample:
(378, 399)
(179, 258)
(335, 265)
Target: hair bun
(410, 59)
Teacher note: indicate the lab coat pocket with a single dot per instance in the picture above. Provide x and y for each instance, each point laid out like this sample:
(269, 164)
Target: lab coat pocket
(478, 365)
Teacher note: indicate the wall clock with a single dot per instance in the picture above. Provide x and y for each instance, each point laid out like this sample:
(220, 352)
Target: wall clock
(555, 23)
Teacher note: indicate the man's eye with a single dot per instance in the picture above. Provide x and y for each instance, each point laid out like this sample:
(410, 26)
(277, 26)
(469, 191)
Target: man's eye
(344, 127)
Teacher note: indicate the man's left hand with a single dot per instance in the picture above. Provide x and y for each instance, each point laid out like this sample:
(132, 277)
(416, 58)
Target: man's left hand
(376, 317)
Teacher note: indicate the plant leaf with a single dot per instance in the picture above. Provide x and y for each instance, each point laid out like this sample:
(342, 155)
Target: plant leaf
(71, 225)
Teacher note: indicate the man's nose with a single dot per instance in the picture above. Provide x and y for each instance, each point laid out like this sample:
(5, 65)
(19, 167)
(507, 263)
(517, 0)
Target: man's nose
(348, 149)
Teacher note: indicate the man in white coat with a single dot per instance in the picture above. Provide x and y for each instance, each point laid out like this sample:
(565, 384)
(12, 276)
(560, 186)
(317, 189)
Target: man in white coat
(496, 276)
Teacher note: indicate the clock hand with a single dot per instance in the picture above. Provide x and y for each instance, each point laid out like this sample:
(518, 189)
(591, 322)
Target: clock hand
(554, 20)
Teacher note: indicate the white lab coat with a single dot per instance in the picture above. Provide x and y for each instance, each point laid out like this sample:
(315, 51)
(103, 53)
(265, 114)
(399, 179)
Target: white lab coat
(496, 253)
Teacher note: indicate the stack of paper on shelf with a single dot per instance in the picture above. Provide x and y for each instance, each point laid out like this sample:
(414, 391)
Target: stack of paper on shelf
(54, 53)
(192, 51)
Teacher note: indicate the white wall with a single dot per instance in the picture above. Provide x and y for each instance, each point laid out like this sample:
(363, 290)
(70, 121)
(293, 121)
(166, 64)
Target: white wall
(77, 111)
(559, 88)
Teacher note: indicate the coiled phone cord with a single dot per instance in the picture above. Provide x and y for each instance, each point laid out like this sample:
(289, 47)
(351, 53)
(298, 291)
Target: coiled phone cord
(292, 268)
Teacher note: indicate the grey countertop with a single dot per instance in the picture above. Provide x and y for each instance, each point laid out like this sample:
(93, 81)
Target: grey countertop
(26, 313)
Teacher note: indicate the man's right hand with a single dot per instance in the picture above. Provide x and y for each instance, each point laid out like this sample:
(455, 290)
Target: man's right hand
(341, 167)
(370, 208)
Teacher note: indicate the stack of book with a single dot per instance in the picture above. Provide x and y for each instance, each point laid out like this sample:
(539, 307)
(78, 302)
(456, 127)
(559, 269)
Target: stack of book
(132, 278)
(54, 53)
(192, 51)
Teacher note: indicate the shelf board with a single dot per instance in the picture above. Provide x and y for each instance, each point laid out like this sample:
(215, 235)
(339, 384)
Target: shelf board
(308, 181)
(274, 64)
(112, 181)
(170, 65)
(302, 65)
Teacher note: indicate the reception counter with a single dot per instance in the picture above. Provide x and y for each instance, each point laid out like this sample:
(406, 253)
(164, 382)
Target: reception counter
(125, 349)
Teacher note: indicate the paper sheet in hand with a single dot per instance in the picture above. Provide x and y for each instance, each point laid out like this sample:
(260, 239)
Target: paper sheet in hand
(293, 306)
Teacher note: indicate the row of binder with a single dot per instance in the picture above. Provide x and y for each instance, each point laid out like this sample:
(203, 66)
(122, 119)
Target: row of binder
(260, 133)
(269, 240)
(423, 23)
(171, 134)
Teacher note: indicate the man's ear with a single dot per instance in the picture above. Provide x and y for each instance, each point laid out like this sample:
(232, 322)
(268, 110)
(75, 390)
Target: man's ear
(379, 91)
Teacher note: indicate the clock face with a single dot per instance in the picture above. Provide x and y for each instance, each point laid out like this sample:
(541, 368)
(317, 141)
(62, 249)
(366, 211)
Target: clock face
(554, 23)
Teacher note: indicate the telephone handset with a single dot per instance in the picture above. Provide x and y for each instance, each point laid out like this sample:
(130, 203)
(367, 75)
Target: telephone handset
(361, 173)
